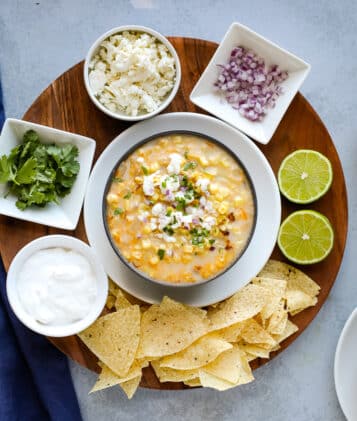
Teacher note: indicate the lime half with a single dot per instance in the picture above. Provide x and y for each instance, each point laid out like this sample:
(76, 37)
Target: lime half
(306, 237)
(304, 176)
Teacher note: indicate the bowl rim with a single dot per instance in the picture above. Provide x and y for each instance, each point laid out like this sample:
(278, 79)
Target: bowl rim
(129, 152)
(56, 241)
(135, 28)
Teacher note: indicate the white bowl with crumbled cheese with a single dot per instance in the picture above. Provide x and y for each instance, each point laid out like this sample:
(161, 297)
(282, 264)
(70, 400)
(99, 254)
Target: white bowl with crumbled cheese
(132, 73)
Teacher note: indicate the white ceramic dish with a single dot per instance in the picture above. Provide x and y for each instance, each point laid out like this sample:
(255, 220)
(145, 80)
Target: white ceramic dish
(345, 369)
(66, 214)
(268, 210)
(67, 242)
(204, 95)
(137, 28)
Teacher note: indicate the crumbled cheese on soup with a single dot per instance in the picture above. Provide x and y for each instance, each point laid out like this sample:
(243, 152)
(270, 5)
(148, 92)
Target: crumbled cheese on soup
(132, 72)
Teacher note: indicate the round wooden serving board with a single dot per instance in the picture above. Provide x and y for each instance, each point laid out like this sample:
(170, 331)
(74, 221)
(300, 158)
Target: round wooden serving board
(65, 105)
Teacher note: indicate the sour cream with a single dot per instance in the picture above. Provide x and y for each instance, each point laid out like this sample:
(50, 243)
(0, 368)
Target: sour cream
(57, 286)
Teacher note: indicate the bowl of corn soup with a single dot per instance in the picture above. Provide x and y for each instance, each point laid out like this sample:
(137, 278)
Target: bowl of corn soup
(179, 208)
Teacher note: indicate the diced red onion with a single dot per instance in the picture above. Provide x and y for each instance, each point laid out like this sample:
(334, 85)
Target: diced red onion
(248, 85)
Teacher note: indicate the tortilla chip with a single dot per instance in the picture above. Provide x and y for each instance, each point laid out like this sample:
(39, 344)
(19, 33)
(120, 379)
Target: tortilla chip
(297, 280)
(298, 301)
(121, 301)
(110, 302)
(243, 305)
(200, 353)
(254, 350)
(231, 366)
(194, 382)
(214, 382)
(277, 288)
(278, 320)
(130, 387)
(113, 288)
(289, 330)
(166, 374)
(253, 333)
(170, 327)
(114, 338)
(107, 378)
(231, 333)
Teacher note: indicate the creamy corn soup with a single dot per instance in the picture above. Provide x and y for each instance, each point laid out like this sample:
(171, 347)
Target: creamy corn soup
(180, 209)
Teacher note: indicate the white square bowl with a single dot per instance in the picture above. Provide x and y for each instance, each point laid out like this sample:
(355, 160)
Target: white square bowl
(205, 96)
(65, 215)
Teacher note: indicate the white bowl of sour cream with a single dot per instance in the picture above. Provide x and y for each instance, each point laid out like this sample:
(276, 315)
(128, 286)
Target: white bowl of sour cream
(56, 285)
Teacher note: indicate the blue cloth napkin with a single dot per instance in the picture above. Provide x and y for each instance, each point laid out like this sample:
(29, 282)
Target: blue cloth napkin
(35, 383)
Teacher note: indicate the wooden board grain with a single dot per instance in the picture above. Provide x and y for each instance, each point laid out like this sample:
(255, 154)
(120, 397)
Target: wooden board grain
(65, 105)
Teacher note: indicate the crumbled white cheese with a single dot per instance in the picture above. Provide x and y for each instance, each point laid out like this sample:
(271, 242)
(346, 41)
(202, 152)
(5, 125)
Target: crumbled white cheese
(153, 224)
(158, 209)
(149, 184)
(132, 72)
(140, 159)
(203, 184)
(143, 216)
(175, 163)
(169, 184)
(208, 222)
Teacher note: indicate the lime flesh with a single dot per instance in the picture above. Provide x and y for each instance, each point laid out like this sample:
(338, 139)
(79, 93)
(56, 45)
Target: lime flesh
(304, 176)
(306, 237)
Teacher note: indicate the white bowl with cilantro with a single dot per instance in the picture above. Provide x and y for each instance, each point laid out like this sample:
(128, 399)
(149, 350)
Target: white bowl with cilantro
(43, 173)
(132, 72)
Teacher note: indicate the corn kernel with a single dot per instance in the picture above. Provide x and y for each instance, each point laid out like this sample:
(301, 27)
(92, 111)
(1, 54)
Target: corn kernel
(112, 198)
(203, 161)
(147, 229)
(223, 208)
(186, 258)
(137, 255)
(146, 244)
(238, 200)
(213, 188)
(154, 167)
(188, 248)
(154, 260)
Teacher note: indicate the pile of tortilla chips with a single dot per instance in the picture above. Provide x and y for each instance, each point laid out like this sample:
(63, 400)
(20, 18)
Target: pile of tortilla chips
(201, 347)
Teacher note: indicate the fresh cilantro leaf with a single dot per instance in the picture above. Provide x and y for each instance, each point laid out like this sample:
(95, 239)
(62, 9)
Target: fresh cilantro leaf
(4, 169)
(27, 173)
(31, 137)
(161, 253)
(190, 166)
(145, 170)
(117, 180)
(118, 211)
(128, 195)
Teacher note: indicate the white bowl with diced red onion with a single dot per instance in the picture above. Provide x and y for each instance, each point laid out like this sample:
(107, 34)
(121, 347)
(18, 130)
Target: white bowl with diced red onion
(250, 83)
(132, 73)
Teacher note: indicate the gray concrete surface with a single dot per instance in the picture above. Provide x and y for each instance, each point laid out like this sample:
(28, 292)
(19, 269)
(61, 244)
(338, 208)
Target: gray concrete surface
(41, 39)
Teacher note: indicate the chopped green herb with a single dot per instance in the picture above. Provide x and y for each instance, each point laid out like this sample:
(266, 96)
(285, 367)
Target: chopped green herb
(169, 212)
(168, 230)
(212, 240)
(161, 253)
(118, 211)
(163, 184)
(184, 181)
(190, 166)
(145, 170)
(117, 180)
(128, 195)
(39, 173)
